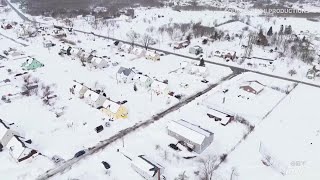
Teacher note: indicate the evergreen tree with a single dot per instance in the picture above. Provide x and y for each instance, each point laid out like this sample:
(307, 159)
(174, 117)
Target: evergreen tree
(270, 33)
(135, 88)
(281, 30)
(202, 62)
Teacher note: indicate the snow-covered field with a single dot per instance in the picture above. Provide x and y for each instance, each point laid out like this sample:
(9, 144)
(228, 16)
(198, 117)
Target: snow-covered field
(274, 111)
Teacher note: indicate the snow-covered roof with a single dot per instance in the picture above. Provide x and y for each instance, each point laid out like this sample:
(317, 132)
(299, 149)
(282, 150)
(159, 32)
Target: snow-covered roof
(224, 117)
(146, 164)
(125, 71)
(92, 95)
(141, 78)
(3, 129)
(157, 85)
(190, 131)
(97, 60)
(125, 46)
(112, 106)
(77, 87)
(254, 85)
(16, 147)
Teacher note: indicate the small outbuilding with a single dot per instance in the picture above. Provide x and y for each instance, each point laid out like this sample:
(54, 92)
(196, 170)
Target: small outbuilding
(219, 116)
(195, 50)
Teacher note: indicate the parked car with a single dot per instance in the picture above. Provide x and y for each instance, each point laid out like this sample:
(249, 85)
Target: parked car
(204, 81)
(80, 153)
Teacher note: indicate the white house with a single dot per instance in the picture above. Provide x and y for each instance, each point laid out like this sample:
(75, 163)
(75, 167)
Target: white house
(143, 80)
(78, 89)
(147, 168)
(138, 51)
(94, 99)
(198, 70)
(6, 133)
(125, 75)
(99, 63)
(159, 88)
(125, 47)
(152, 56)
(195, 137)
(47, 44)
(19, 149)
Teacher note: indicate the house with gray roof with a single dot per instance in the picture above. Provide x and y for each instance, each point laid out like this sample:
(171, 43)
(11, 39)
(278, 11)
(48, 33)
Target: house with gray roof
(125, 75)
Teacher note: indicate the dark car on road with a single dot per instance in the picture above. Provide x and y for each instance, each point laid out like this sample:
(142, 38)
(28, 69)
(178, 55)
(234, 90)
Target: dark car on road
(80, 153)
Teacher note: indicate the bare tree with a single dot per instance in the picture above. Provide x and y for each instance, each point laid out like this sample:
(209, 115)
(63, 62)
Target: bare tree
(292, 72)
(146, 40)
(182, 176)
(133, 36)
(207, 166)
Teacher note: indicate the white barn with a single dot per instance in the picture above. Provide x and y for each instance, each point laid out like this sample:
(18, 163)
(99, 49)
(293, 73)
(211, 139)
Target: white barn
(147, 168)
(193, 135)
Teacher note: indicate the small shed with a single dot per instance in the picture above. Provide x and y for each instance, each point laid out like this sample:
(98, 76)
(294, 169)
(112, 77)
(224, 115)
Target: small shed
(78, 89)
(125, 48)
(94, 99)
(48, 43)
(138, 51)
(147, 168)
(193, 135)
(114, 110)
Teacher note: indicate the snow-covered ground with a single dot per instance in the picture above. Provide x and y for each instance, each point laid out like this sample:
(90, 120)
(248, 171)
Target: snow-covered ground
(272, 110)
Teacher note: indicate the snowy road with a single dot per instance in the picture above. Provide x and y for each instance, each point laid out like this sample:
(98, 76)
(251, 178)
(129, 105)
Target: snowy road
(102, 144)
(234, 68)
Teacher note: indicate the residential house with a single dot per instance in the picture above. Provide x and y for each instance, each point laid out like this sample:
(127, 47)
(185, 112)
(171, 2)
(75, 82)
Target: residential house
(31, 64)
(76, 52)
(125, 48)
(198, 70)
(59, 32)
(6, 133)
(86, 57)
(48, 44)
(93, 98)
(138, 51)
(226, 54)
(99, 62)
(20, 150)
(181, 44)
(159, 88)
(143, 80)
(195, 50)
(195, 137)
(6, 26)
(114, 110)
(152, 56)
(254, 87)
(125, 75)
(219, 116)
(147, 168)
(78, 89)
